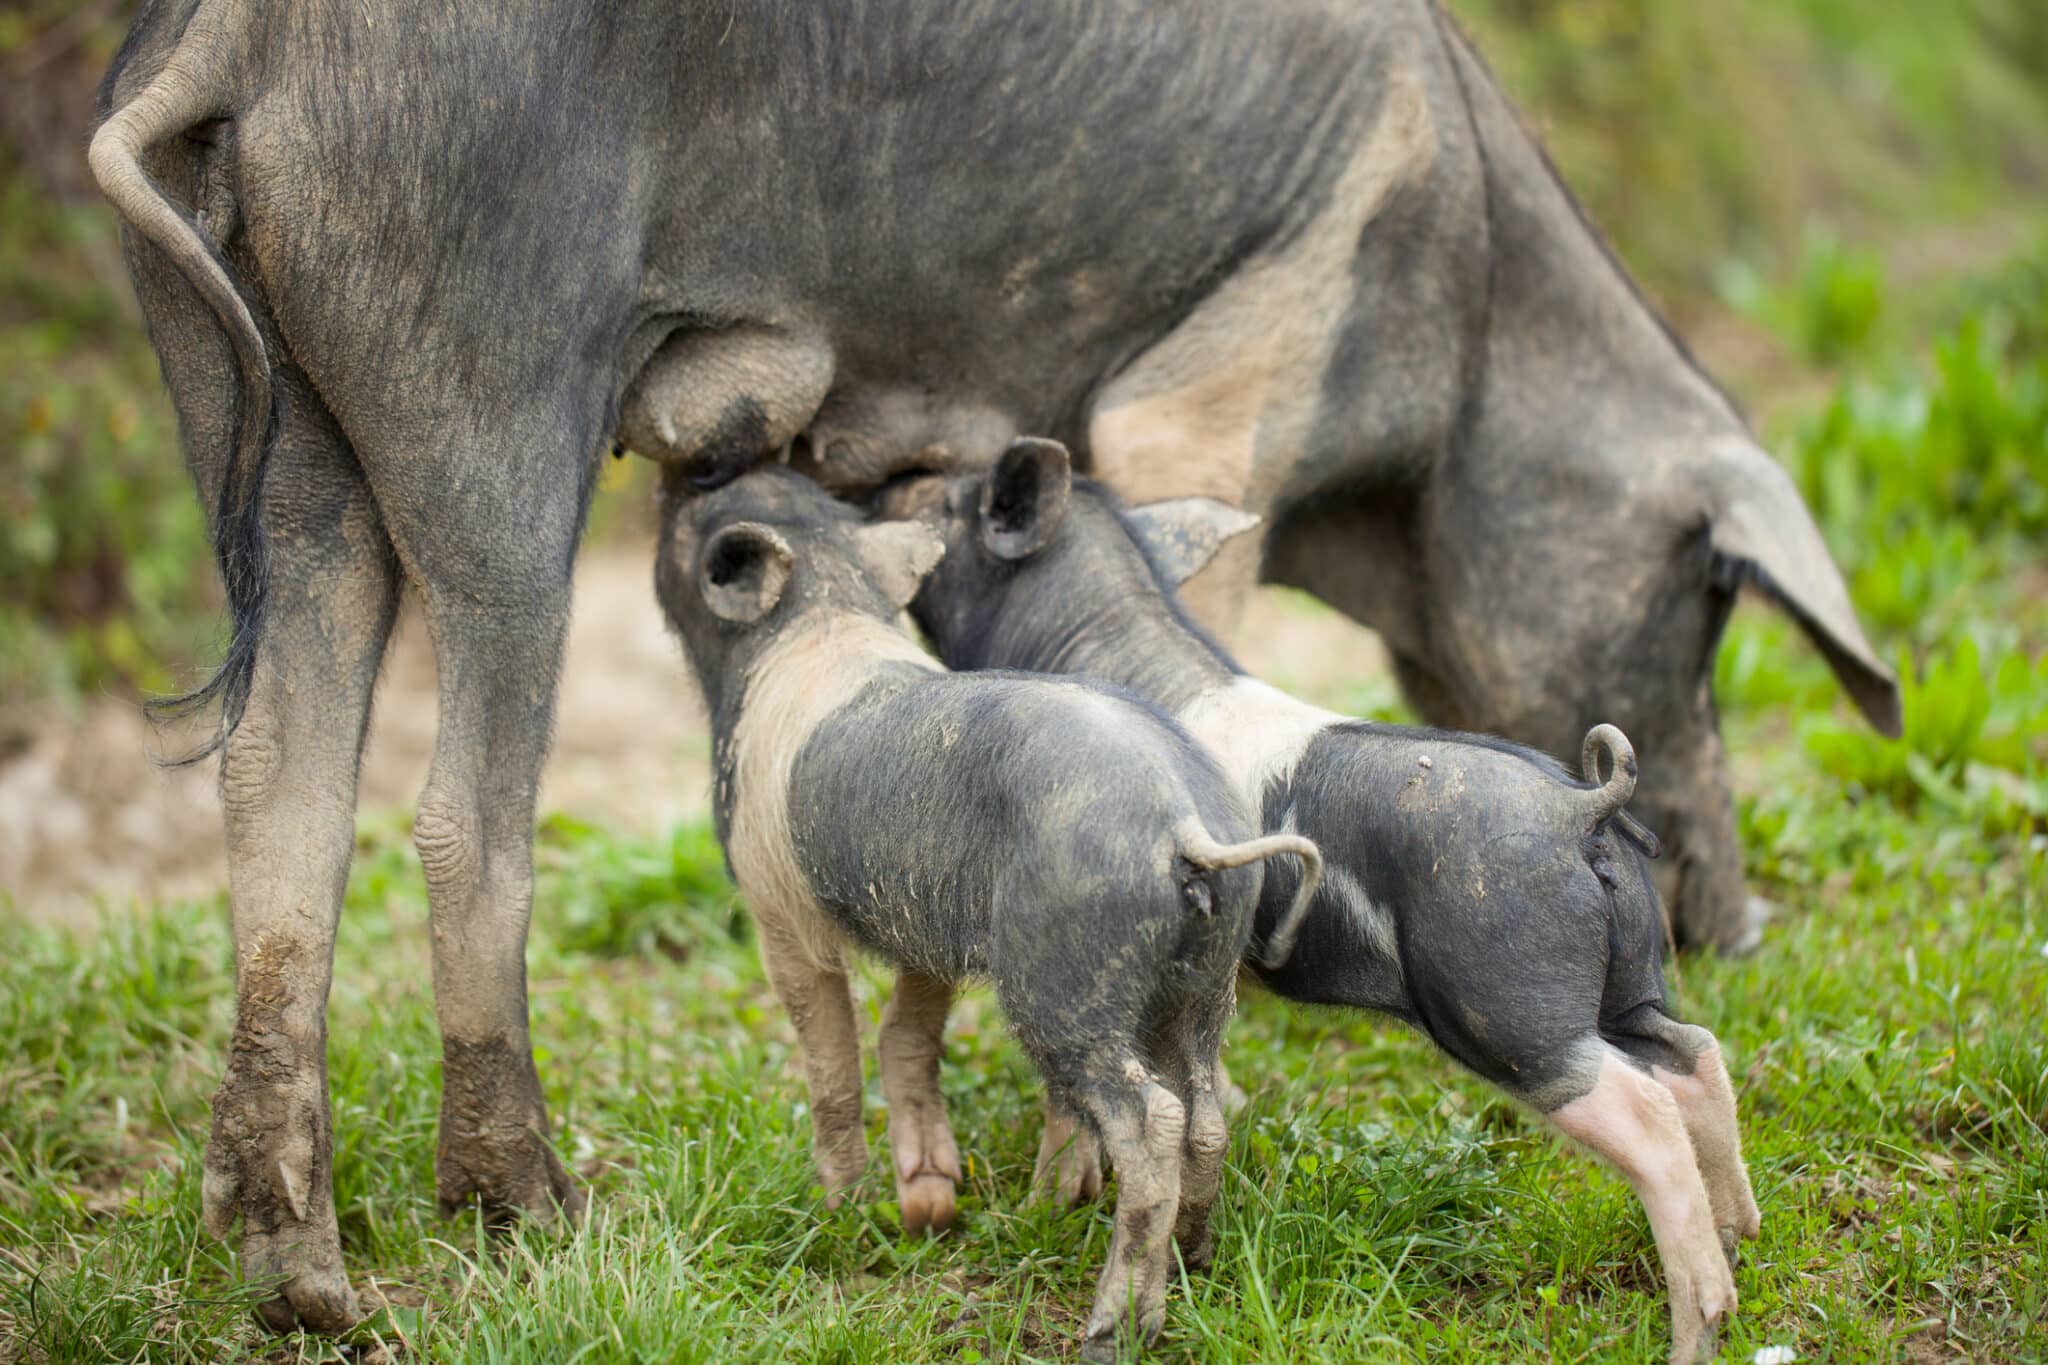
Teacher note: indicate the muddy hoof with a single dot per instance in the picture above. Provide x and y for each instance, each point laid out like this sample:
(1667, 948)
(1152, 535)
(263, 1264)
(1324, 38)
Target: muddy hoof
(527, 1180)
(1102, 1350)
(1104, 1347)
(927, 1202)
(1705, 1344)
(310, 1301)
(266, 1169)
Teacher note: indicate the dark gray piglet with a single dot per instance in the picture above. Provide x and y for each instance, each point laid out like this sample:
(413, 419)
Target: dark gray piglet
(1059, 837)
(1474, 888)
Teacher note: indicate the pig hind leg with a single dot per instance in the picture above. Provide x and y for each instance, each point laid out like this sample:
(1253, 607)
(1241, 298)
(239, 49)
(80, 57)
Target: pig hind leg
(288, 792)
(1193, 1043)
(486, 526)
(921, 1142)
(1687, 1061)
(1633, 1121)
(1144, 1128)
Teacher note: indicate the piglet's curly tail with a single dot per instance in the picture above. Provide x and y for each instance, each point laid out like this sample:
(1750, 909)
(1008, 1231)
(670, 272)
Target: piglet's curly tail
(1611, 798)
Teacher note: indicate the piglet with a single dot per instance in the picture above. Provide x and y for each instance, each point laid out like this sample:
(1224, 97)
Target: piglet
(1474, 888)
(1058, 837)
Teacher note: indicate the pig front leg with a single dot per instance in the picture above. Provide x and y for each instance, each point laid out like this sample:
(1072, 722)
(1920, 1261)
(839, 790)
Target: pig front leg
(1069, 1168)
(819, 998)
(920, 1139)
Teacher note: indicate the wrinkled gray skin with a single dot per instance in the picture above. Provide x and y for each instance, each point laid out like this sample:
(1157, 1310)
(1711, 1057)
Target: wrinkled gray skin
(411, 269)
(1007, 826)
(1473, 888)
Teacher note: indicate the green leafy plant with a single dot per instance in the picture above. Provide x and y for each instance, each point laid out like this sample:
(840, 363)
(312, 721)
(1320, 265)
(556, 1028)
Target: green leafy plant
(1961, 719)
(624, 897)
(1831, 310)
(104, 565)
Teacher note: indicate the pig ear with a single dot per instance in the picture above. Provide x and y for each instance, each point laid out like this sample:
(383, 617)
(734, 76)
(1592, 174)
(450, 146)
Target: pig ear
(898, 555)
(1181, 535)
(743, 570)
(1760, 522)
(1024, 497)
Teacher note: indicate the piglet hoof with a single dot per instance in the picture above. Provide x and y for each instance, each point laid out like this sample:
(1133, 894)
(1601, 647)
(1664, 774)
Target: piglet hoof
(1101, 1350)
(266, 1167)
(311, 1299)
(1704, 1347)
(927, 1203)
(1699, 1341)
(841, 1163)
(1731, 1245)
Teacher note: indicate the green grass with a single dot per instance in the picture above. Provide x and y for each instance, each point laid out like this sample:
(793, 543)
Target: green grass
(1890, 1044)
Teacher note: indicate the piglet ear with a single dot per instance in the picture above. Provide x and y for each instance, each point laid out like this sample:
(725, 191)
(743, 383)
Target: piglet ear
(743, 570)
(1024, 497)
(898, 555)
(1181, 535)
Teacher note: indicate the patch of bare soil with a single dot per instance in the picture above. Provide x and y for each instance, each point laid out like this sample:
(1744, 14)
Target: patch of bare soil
(86, 819)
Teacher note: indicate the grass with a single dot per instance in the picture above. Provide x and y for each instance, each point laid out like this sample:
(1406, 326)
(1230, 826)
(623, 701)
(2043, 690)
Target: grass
(1888, 1043)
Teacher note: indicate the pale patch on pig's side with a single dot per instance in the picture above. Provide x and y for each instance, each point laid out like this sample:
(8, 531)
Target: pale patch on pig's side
(1224, 406)
(1374, 924)
(1256, 731)
(1233, 391)
(819, 663)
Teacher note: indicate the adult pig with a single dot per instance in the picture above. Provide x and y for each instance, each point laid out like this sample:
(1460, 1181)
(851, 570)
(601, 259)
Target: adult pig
(411, 269)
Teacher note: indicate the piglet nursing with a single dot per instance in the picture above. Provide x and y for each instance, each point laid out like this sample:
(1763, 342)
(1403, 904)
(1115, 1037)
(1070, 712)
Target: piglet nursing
(1475, 888)
(1057, 837)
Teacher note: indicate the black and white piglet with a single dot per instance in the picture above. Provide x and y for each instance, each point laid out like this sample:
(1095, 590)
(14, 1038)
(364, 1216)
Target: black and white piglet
(1474, 888)
(1059, 837)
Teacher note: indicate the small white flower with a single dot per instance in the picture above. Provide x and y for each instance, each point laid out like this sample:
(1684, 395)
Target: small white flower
(1774, 1355)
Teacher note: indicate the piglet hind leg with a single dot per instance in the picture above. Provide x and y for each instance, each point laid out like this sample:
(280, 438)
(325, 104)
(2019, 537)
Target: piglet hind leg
(1199, 1079)
(1687, 1061)
(921, 1142)
(1143, 1126)
(1069, 1167)
(1633, 1121)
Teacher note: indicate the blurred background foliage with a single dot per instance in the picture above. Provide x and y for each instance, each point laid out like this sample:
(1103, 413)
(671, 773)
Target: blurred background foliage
(1799, 174)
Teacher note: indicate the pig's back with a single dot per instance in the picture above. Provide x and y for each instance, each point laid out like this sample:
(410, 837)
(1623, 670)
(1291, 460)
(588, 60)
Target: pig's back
(933, 803)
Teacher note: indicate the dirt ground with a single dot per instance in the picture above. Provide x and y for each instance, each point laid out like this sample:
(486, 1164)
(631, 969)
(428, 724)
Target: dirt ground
(86, 819)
